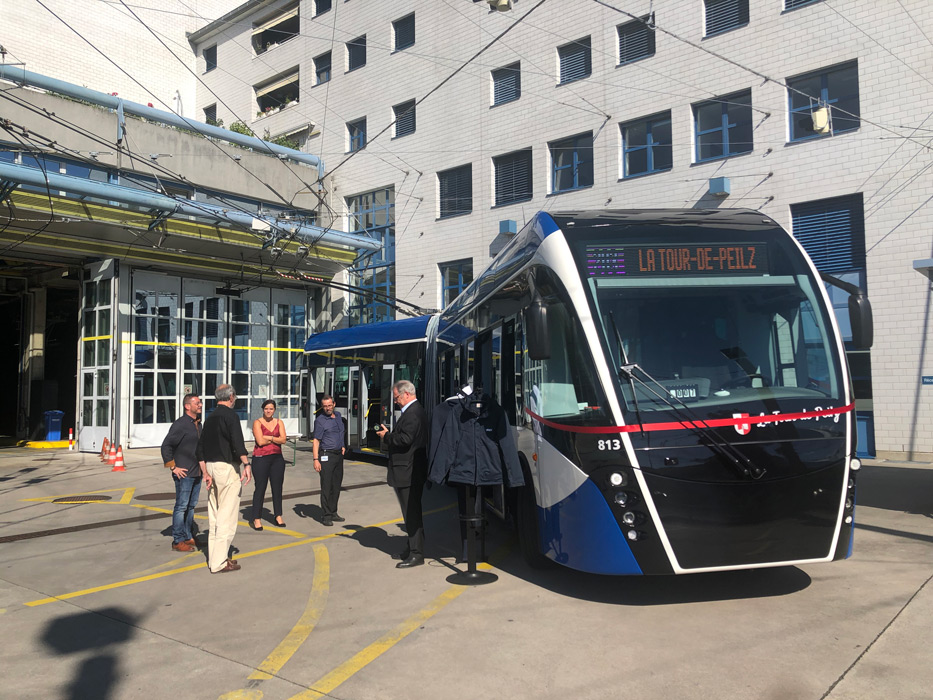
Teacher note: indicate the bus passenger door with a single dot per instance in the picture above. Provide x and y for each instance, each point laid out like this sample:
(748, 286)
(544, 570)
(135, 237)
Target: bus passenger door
(388, 412)
(305, 416)
(353, 408)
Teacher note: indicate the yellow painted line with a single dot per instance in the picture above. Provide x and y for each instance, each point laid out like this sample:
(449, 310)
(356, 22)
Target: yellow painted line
(152, 343)
(171, 564)
(163, 574)
(320, 587)
(366, 656)
(124, 500)
(97, 337)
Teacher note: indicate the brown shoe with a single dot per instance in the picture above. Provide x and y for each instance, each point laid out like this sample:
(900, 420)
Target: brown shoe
(182, 547)
(191, 542)
(229, 566)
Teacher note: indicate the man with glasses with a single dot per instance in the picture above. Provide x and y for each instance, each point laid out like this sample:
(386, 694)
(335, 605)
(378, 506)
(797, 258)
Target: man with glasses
(178, 454)
(221, 451)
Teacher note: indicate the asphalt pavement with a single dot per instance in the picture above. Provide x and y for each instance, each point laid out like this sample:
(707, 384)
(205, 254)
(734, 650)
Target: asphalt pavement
(95, 604)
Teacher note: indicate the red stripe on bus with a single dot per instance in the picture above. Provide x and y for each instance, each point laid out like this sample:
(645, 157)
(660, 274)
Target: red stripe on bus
(686, 425)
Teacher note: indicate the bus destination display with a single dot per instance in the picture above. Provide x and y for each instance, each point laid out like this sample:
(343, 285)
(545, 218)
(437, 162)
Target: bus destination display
(661, 260)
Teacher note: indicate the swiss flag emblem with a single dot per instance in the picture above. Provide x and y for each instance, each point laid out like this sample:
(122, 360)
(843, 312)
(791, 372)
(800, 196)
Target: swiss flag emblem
(742, 428)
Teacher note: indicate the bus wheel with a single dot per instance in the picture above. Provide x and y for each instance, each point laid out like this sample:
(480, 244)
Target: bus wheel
(526, 522)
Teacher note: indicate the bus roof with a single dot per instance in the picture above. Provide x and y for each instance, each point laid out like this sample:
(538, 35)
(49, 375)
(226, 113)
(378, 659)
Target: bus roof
(405, 330)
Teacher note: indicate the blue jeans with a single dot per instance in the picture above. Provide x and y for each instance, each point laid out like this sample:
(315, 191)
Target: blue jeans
(187, 491)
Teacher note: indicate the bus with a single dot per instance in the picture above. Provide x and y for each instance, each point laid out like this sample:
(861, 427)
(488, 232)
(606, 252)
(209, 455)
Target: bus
(676, 382)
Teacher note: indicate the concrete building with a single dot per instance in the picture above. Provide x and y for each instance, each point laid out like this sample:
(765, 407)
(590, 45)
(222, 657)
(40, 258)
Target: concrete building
(445, 124)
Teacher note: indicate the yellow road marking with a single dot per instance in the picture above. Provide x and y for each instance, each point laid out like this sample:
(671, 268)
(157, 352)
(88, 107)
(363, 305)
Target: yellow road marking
(163, 574)
(170, 564)
(364, 657)
(320, 587)
(124, 500)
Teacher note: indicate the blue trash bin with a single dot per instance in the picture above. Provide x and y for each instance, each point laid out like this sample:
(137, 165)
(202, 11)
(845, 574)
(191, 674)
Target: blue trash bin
(53, 425)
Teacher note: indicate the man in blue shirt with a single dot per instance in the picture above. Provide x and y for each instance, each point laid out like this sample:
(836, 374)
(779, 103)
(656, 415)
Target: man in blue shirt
(330, 445)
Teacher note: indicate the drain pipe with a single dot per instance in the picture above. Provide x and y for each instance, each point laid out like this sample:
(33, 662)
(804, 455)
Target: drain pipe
(308, 235)
(18, 74)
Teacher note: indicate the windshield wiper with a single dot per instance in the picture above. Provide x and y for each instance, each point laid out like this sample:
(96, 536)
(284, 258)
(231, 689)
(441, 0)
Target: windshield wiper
(708, 436)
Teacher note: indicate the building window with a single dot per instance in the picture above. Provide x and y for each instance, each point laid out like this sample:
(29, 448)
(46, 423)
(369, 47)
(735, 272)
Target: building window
(824, 103)
(455, 277)
(794, 4)
(404, 118)
(506, 84)
(723, 15)
(575, 60)
(832, 231)
(276, 29)
(403, 31)
(275, 95)
(321, 6)
(210, 115)
(456, 191)
(513, 177)
(636, 40)
(356, 133)
(356, 53)
(322, 68)
(723, 126)
(572, 163)
(373, 214)
(210, 58)
(647, 146)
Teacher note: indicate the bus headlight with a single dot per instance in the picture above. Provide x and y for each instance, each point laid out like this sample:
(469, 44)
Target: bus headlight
(621, 498)
(855, 464)
(849, 502)
(851, 483)
(848, 520)
(632, 535)
(618, 479)
(629, 518)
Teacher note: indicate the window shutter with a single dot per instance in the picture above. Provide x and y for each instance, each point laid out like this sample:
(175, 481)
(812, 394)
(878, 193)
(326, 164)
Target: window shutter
(404, 32)
(456, 191)
(513, 177)
(575, 60)
(636, 40)
(722, 15)
(405, 119)
(356, 53)
(793, 4)
(832, 231)
(506, 84)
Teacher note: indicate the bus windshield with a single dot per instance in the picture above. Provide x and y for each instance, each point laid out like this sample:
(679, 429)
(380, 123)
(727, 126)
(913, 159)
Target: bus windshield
(738, 319)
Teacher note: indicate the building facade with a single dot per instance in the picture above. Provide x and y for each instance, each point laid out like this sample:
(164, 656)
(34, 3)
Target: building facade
(445, 124)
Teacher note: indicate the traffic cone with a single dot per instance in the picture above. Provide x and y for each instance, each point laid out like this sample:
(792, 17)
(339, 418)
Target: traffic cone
(118, 465)
(112, 458)
(105, 450)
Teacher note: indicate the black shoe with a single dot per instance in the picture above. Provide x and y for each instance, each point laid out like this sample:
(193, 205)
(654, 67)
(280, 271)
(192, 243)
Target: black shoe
(337, 519)
(412, 560)
(327, 522)
(402, 555)
(279, 524)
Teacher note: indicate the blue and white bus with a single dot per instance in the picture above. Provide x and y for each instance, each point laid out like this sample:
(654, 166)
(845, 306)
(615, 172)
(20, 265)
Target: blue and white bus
(677, 385)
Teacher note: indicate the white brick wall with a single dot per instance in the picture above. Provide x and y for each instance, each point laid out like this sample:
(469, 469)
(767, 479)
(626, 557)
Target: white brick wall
(32, 35)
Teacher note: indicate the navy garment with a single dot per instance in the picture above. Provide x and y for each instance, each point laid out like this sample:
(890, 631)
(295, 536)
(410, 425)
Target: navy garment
(330, 431)
(472, 443)
(181, 443)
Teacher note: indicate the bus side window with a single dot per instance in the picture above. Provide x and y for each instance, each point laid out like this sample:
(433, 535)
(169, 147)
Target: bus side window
(507, 397)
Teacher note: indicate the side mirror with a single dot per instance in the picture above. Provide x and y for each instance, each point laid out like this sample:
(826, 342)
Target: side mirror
(536, 330)
(860, 318)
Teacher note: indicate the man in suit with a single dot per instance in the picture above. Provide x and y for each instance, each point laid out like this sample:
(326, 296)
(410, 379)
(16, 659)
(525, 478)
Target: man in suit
(408, 467)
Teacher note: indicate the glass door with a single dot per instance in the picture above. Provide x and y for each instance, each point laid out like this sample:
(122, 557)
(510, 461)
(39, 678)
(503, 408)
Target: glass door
(353, 408)
(96, 391)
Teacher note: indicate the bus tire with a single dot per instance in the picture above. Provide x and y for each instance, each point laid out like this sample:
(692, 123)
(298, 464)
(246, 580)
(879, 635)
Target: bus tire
(526, 522)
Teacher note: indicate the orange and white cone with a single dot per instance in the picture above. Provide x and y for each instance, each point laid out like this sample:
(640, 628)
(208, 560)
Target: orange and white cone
(105, 450)
(118, 465)
(112, 458)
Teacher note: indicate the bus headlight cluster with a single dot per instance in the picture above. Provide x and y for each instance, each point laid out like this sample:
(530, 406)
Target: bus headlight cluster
(618, 479)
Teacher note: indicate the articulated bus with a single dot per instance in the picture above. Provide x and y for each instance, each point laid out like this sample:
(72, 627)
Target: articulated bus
(676, 382)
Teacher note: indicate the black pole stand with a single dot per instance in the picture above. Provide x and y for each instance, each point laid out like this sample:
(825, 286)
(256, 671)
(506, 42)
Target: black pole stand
(473, 521)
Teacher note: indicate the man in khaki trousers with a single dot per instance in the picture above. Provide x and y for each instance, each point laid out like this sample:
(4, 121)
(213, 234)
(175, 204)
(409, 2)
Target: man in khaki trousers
(220, 451)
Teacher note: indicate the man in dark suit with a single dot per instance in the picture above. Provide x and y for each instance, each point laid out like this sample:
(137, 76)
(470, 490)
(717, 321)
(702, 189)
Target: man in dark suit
(408, 467)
